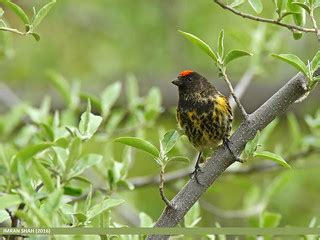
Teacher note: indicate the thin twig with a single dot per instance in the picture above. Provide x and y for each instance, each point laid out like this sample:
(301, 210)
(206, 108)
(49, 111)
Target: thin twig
(314, 23)
(13, 30)
(164, 198)
(226, 79)
(266, 20)
(257, 168)
(241, 213)
(242, 86)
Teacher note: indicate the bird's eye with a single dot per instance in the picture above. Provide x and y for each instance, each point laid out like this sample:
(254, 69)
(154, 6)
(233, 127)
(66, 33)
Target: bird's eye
(189, 79)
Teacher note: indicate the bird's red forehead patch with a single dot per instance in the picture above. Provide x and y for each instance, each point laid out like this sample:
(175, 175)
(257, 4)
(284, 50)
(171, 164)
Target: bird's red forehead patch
(185, 73)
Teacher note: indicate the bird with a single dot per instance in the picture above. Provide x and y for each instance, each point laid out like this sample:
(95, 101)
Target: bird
(203, 113)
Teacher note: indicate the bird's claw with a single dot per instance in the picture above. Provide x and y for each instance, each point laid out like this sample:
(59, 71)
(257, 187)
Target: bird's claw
(194, 174)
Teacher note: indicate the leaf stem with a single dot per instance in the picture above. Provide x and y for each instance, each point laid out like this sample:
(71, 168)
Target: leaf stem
(161, 184)
(226, 79)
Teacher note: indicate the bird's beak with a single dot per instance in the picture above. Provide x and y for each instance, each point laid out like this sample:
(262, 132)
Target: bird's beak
(176, 82)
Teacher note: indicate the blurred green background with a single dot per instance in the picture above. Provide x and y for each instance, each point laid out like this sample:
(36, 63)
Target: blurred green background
(98, 42)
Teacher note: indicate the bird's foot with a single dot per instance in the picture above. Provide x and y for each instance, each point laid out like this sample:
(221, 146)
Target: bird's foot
(226, 143)
(194, 174)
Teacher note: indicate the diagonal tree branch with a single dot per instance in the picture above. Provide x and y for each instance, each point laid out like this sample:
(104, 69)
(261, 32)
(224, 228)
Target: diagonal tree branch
(266, 20)
(222, 158)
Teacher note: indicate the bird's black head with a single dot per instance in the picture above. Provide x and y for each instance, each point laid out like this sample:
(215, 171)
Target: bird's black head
(190, 82)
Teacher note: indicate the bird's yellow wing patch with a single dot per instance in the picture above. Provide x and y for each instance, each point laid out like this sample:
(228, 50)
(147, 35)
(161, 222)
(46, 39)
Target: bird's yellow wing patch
(222, 104)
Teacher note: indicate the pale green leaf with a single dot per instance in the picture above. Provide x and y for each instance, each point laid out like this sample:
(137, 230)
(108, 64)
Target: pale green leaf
(1, 12)
(89, 123)
(220, 46)
(251, 146)
(201, 44)
(273, 157)
(17, 10)
(315, 63)
(268, 219)
(192, 217)
(9, 200)
(139, 144)
(256, 5)
(179, 159)
(169, 140)
(300, 16)
(145, 220)
(103, 206)
(109, 97)
(84, 163)
(32, 150)
(75, 150)
(302, 5)
(4, 215)
(236, 3)
(45, 175)
(61, 84)
(52, 203)
(42, 13)
(234, 54)
(294, 61)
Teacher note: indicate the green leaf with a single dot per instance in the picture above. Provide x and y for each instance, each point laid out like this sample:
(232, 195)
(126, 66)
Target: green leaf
(114, 120)
(201, 44)
(220, 44)
(295, 132)
(256, 5)
(316, 79)
(192, 217)
(89, 123)
(153, 104)
(84, 163)
(42, 13)
(72, 191)
(132, 91)
(236, 3)
(61, 84)
(52, 203)
(32, 150)
(145, 220)
(95, 101)
(179, 159)
(45, 175)
(280, 5)
(251, 146)
(9, 200)
(300, 16)
(4, 215)
(75, 150)
(109, 97)
(36, 36)
(266, 132)
(272, 156)
(294, 61)
(302, 5)
(234, 54)
(315, 63)
(169, 140)
(139, 144)
(1, 12)
(268, 219)
(297, 35)
(103, 206)
(17, 10)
